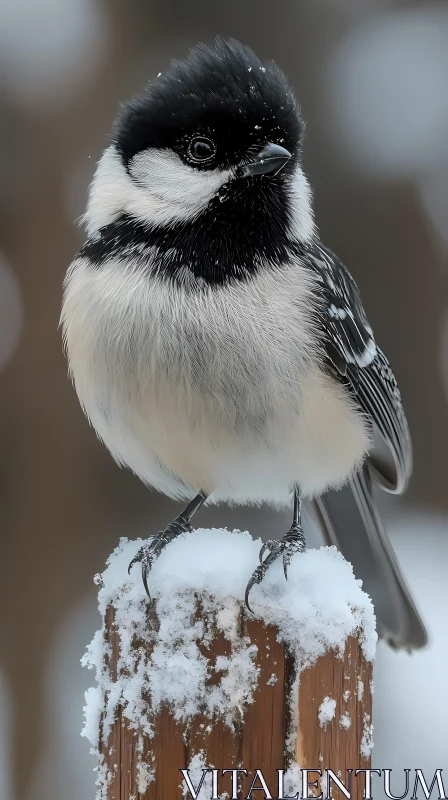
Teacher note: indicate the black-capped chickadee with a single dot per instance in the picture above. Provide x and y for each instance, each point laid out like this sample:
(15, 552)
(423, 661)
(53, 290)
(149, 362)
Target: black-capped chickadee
(218, 348)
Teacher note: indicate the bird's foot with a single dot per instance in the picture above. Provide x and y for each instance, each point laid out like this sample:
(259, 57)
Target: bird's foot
(293, 542)
(157, 542)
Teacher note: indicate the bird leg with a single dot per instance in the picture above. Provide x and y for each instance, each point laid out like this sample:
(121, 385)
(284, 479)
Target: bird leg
(158, 541)
(292, 542)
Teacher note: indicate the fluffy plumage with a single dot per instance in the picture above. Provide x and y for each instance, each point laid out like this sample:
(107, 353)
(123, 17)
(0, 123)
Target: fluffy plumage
(188, 389)
(215, 344)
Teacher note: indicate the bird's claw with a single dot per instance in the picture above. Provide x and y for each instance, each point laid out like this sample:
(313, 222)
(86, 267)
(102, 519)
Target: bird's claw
(269, 545)
(152, 549)
(293, 542)
(145, 557)
(256, 577)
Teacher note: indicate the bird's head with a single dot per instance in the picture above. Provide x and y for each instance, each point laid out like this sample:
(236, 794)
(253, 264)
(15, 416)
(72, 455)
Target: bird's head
(211, 149)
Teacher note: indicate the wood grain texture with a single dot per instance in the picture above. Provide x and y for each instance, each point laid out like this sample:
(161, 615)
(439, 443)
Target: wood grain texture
(265, 720)
(218, 741)
(333, 745)
(257, 738)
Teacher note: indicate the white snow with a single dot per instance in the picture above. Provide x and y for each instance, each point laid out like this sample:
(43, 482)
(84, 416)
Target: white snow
(360, 689)
(292, 780)
(345, 721)
(319, 606)
(367, 737)
(195, 772)
(145, 776)
(327, 710)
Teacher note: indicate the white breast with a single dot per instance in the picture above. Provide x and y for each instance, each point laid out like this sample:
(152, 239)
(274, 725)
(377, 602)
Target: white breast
(218, 390)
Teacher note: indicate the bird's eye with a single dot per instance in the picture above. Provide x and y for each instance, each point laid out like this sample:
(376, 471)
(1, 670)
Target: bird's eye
(201, 150)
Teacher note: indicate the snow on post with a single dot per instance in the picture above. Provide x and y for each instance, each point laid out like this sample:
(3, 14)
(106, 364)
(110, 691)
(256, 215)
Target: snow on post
(193, 681)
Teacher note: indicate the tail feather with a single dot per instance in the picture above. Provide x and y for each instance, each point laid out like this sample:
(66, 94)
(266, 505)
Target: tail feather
(350, 520)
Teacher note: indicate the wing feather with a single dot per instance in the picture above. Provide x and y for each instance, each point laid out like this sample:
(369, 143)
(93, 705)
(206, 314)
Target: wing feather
(354, 357)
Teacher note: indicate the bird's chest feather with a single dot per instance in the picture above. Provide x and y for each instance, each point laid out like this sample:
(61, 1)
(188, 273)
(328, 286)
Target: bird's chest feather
(235, 354)
(212, 387)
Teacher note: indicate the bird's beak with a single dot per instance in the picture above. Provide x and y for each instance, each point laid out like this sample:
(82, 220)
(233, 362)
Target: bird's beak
(269, 161)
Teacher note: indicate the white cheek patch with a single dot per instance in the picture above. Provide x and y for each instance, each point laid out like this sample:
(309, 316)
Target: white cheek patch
(302, 226)
(181, 188)
(158, 189)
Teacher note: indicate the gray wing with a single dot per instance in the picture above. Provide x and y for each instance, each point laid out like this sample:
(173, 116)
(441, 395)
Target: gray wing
(348, 518)
(355, 358)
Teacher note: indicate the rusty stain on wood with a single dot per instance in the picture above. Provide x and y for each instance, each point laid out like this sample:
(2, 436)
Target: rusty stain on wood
(257, 740)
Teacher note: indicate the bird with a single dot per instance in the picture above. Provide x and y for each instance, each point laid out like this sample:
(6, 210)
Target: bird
(218, 348)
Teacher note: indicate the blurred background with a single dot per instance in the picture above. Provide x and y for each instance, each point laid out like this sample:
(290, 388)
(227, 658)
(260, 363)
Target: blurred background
(371, 76)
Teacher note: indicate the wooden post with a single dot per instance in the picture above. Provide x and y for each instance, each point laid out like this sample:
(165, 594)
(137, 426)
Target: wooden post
(286, 723)
(193, 681)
